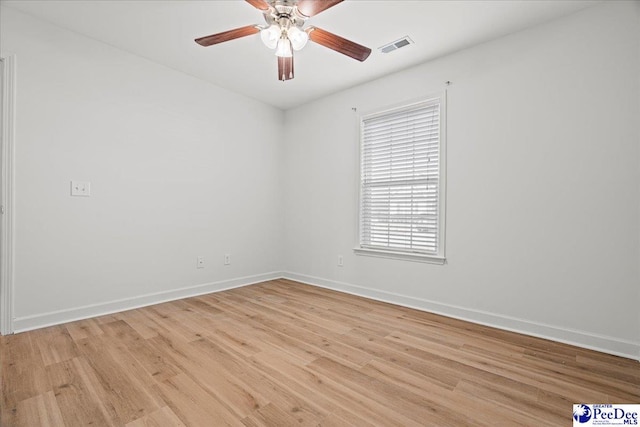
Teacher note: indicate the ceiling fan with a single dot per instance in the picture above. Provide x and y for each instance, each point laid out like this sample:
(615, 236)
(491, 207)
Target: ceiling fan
(284, 33)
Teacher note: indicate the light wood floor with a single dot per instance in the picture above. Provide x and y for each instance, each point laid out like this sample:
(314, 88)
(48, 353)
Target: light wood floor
(285, 354)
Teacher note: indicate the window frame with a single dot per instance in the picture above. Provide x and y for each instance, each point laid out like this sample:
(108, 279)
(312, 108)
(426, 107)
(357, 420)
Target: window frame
(433, 258)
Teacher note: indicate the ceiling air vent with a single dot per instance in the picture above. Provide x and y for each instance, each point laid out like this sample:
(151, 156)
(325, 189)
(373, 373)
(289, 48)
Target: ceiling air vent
(405, 41)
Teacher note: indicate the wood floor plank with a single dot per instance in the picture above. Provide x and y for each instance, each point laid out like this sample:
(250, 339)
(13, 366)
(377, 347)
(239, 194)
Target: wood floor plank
(107, 318)
(258, 386)
(395, 353)
(167, 322)
(22, 374)
(163, 417)
(271, 415)
(512, 368)
(142, 324)
(267, 337)
(39, 411)
(220, 379)
(444, 397)
(282, 353)
(204, 306)
(121, 336)
(195, 405)
(232, 336)
(627, 372)
(323, 341)
(330, 394)
(55, 344)
(117, 379)
(83, 329)
(78, 401)
(305, 317)
(414, 406)
(625, 388)
(534, 412)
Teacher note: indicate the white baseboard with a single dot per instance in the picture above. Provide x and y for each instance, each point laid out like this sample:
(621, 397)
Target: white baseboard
(27, 323)
(583, 339)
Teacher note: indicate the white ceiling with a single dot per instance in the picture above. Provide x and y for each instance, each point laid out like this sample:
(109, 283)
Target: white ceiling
(163, 31)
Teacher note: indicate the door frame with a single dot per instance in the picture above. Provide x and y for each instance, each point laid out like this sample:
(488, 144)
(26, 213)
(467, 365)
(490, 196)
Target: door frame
(7, 144)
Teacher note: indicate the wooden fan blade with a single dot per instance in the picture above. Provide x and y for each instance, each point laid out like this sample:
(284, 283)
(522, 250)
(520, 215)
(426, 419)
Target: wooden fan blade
(339, 44)
(258, 4)
(313, 7)
(285, 68)
(227, 35)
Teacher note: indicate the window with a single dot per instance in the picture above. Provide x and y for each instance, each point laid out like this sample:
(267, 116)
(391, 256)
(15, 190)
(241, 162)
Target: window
(402, 182)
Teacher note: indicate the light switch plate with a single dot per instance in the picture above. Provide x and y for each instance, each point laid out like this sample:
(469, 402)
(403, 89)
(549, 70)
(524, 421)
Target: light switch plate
(81, 188)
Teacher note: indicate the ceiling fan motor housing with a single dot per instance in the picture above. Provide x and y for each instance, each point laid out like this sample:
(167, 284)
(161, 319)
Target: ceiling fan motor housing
(284, 14)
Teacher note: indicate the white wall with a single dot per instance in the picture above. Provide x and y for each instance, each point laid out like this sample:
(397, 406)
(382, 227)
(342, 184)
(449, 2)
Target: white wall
(543, 215)
(543, 189)
(178, 168)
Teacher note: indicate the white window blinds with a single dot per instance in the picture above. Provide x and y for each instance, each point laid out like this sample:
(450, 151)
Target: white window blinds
(401, 178)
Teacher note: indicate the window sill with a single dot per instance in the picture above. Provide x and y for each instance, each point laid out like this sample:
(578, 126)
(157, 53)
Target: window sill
(406, 256)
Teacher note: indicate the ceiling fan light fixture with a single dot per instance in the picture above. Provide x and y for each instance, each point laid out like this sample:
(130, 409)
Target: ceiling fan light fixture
(270, 36)
(283, 48)
(298, 38)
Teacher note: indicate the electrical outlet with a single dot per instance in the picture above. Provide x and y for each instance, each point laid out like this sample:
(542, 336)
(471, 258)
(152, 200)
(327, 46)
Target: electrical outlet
(200, 262)
(227, 259)
(340, 261)
(81, 188)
